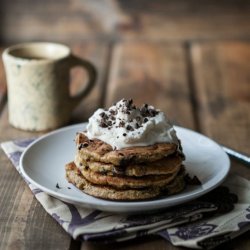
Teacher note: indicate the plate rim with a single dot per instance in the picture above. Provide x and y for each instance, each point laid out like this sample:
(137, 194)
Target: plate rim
(129, 205)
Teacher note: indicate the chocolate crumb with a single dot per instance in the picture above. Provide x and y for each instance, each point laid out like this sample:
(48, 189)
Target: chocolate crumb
(122, 124)
(129, 128)
(102, 114)
(57, 186)
(83, 145)
(69, 187)
(192, 181)
(103, 124)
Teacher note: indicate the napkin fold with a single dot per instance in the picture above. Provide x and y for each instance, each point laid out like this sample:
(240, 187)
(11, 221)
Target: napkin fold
(204, 223)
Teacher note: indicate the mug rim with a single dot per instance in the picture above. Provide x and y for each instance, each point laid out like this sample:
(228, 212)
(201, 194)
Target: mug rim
(26, 45)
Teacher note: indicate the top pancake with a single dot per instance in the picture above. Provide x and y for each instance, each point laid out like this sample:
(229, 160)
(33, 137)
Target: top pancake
(97, 150)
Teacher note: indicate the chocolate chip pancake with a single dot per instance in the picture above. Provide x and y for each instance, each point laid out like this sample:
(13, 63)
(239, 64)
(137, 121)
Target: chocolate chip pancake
(128, 153)
(167, 165)
(74, 176)
(124, 182)
(97, 150)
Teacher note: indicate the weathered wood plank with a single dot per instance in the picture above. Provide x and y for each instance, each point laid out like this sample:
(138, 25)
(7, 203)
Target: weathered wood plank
(112, 19)
(185, 20)
(3, 88)
(222, 73)
(154, 73)
(24, 223)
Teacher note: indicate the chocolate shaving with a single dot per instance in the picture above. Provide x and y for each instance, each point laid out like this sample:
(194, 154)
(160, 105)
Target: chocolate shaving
(192, 181)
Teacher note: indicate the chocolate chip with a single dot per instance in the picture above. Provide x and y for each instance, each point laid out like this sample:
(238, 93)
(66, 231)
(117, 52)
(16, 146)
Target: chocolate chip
(102, 114)
(121, 124)
(83, 145)
(124, 134)
(103, 125)
(145, 120)
(137, 125)
(130, 128)
(144, 111)
(153, 112)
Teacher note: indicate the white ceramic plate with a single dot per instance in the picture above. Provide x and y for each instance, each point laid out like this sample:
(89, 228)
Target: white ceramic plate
(43, 165)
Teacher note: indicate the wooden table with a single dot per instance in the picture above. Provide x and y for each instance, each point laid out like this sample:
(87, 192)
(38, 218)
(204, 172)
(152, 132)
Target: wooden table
(189, 58)
(203, 86)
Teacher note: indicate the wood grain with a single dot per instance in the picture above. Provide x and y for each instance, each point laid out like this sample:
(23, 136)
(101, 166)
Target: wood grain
(185, 20)
(154, 73)
(25, 224)
(3, 88)
(117, 19)
(222, 73)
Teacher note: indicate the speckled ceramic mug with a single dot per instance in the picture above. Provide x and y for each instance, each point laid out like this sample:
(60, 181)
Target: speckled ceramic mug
(38, 76)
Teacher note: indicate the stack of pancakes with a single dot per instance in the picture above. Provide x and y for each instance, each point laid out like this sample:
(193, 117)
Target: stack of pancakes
(134, 173)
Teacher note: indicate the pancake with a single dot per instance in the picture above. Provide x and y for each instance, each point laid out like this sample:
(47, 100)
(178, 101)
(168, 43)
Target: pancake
(124, 182)
(97, 150)
(74, 176)
(163, 166)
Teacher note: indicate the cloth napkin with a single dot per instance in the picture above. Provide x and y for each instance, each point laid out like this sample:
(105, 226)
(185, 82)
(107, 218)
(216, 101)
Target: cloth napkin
(214, 218)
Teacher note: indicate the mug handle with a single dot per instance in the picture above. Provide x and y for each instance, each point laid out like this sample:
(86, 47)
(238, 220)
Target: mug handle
(92, 74)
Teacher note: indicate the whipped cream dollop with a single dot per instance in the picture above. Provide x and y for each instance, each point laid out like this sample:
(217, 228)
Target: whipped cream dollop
(125, 125)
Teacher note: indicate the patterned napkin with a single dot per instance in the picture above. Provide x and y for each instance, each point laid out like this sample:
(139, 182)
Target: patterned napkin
(216, 217)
